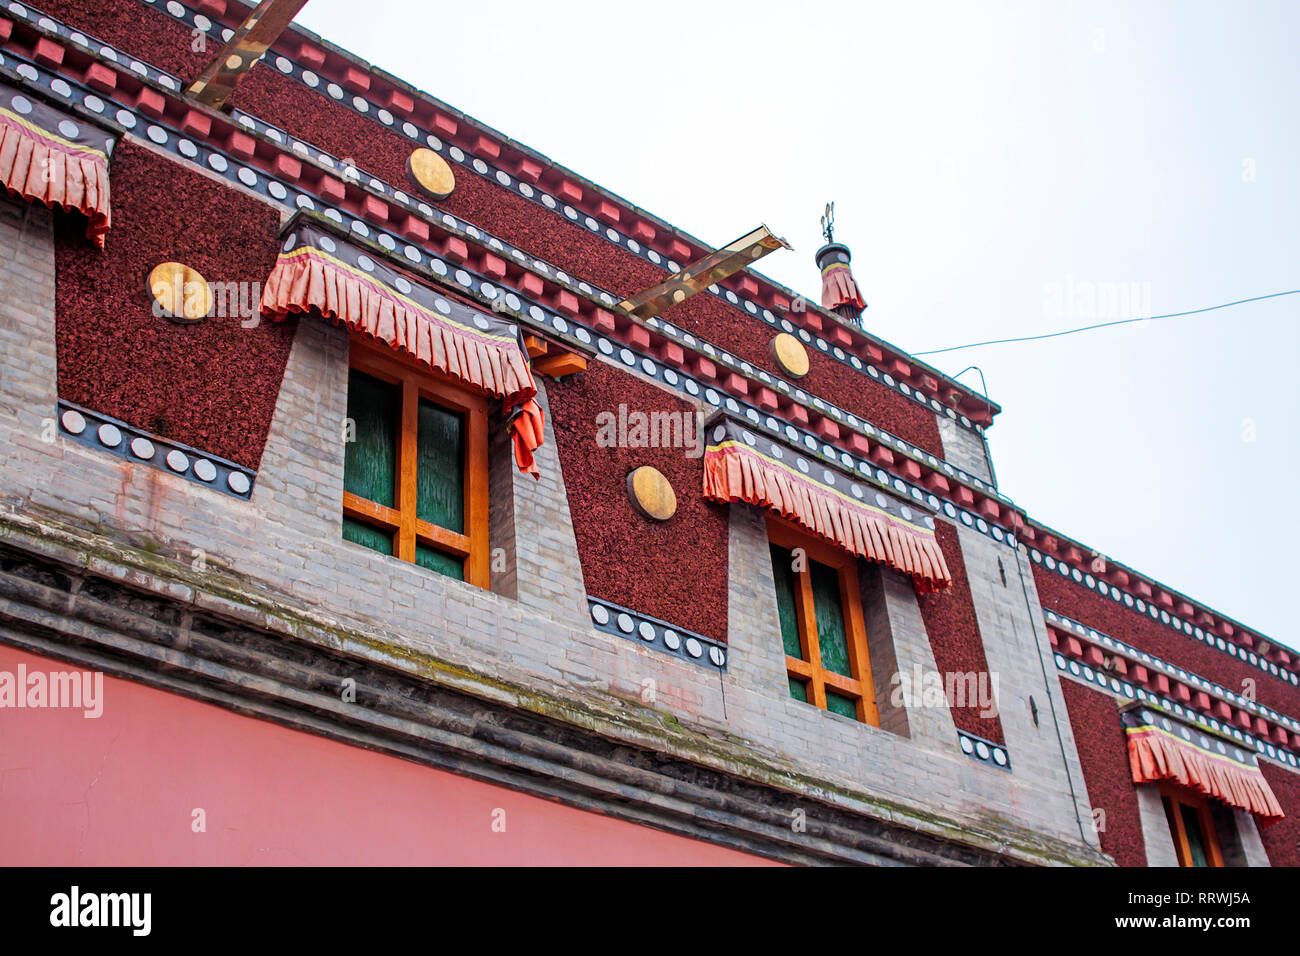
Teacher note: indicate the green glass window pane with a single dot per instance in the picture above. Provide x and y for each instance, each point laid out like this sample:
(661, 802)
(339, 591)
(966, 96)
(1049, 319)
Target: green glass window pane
(798, 690)
(784, 576)
(438, 561)
(366, 536)
(440, 473)
(839, 704)
(370, 455)
(1195, 839)
(831, 635)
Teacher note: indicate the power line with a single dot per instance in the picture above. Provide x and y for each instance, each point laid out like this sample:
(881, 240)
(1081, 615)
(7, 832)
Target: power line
(1104, 325)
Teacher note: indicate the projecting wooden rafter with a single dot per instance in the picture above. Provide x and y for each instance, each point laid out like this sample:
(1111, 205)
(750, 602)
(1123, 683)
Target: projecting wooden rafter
(253, 38)
(699, 275)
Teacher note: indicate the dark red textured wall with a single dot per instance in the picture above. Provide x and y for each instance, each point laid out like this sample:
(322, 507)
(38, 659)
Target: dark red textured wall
(674, 570)
(953, 630)
(1103, 755)
(548, 235)
(1282, 839)
(152, 35)
(138, 29)
(212, 385)
(1126, 624)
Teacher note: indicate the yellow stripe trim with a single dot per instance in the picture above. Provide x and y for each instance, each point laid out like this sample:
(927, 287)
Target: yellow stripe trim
(1186, 743)
(42, 131)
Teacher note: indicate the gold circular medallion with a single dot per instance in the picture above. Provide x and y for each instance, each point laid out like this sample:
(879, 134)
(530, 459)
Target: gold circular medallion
(651, 493)
(179, 292)
(790, 355)
(431, 173)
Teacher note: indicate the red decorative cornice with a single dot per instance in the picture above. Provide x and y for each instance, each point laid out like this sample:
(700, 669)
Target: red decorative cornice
(1154, 594)
(1114, 659)
(405, 101)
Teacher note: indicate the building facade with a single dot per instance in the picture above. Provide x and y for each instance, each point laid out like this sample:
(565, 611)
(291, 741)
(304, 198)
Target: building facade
(376, 490)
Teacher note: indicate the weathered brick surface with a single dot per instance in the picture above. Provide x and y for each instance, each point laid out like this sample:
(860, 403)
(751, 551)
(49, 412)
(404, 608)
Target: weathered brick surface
(964, 449)
(1156, 838)
(913, 759)
(1017, 650)
(288, 536)
(533, 627)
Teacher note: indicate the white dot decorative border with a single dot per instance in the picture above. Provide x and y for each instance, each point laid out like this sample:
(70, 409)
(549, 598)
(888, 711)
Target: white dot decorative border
(1172, 621)
(106, 434)
(215, 160)
(984, 751)
(466, 159)
(1119, 687)
(651, 632)
(471, 283)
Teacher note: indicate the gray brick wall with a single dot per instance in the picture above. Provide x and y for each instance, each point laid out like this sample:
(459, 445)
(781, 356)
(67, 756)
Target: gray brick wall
(964, 449)
(913, 758)
(1016, 648)
(1156, 837)
(1246, 847)
(532, 629)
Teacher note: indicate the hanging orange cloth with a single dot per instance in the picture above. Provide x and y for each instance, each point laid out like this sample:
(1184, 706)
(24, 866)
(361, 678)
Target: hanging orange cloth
(527, 430)
(50, 157)
(740, 466)
(317, 269)
(1162, 748)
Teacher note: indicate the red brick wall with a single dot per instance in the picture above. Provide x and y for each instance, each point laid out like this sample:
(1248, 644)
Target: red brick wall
(1125, 624)
(675, 570)
(953, 630)
(1282, 839)
(548, 235)
(212, 385)
(1103, 754)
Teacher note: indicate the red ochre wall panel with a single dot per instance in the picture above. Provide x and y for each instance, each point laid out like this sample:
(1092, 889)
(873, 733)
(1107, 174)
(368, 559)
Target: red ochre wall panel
(675, 569)
(1125, 624)
(157, 38)
(954, 633)
(548, 235)
(138, 29)
(1282, 839)
(121, 789)
(212, 385)
(1103, 755)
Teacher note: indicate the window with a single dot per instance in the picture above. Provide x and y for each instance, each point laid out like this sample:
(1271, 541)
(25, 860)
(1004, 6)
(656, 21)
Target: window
(817, 595)
(415, 466)
(1192, 825)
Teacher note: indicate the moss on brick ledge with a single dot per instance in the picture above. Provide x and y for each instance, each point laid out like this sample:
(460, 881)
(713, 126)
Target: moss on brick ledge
(137, 562)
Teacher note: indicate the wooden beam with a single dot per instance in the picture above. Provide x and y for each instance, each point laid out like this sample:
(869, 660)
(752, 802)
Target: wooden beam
(536, 345)
(560, 364)
(702, 273)
(252, 39)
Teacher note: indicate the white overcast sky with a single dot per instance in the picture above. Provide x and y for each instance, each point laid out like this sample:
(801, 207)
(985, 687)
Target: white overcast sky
(981, 156)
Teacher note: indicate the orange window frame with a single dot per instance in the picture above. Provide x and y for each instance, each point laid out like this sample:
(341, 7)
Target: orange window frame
(1175, 798)
(809, 670)
(417, 382)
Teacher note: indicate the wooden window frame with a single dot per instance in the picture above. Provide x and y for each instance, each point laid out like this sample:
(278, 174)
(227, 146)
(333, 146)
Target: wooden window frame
(809, 670)
(416, 382)
(1179, 797)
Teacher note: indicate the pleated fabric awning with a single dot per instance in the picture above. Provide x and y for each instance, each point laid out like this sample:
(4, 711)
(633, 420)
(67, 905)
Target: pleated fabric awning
(838, 286)
(1162, 748)
(325, 272)
(49, 156)
(740, 465)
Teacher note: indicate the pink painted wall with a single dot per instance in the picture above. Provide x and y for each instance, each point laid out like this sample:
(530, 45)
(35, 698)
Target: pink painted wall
(120, 790)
